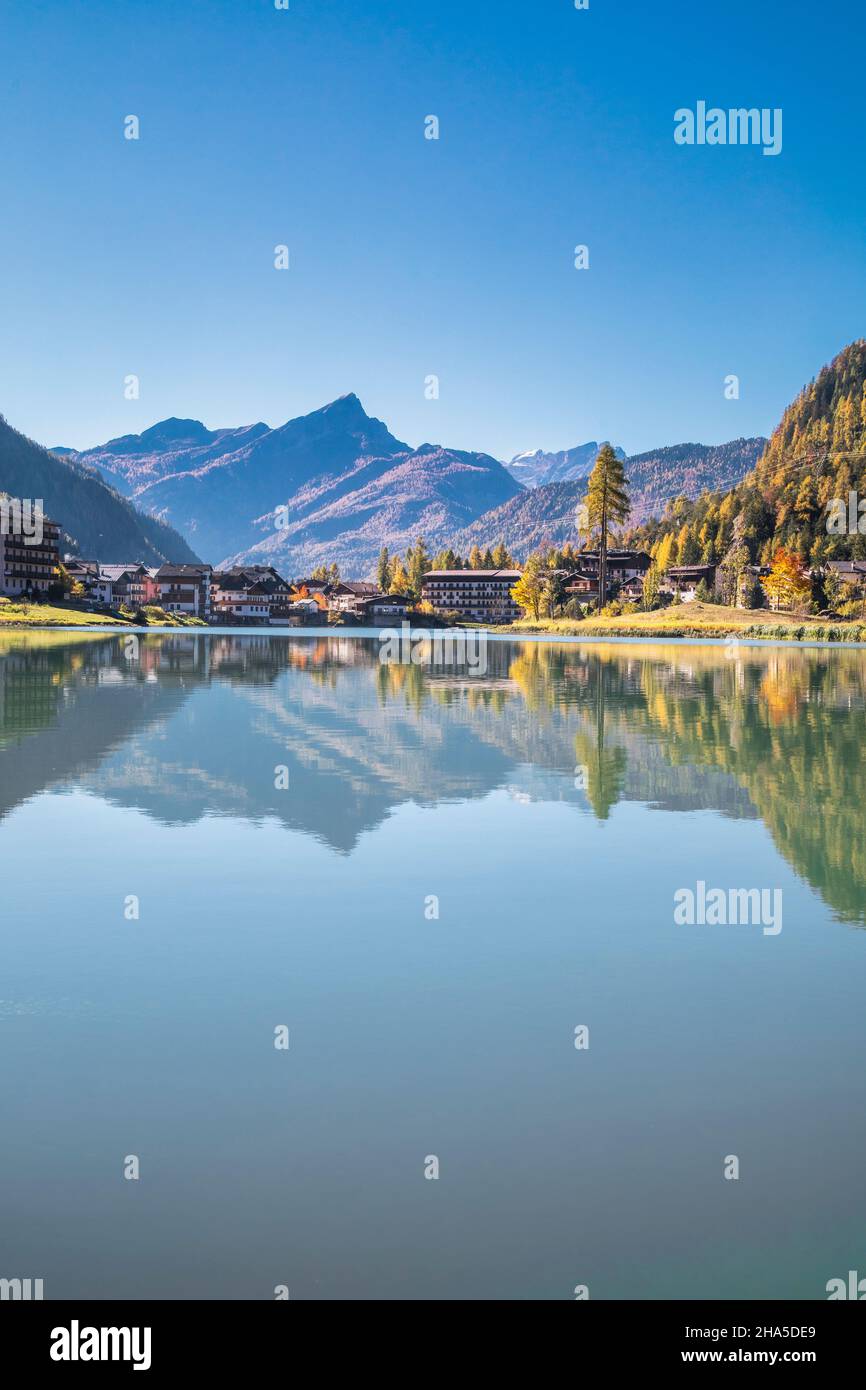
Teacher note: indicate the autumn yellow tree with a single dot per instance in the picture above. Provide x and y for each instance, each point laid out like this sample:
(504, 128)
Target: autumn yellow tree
(529, 591)
(399, 577)
(788, 583)
(607, 505)
(663, 554)
(650, 598)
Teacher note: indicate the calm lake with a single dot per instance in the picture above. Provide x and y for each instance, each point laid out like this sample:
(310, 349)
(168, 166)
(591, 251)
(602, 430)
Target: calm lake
(431, 878)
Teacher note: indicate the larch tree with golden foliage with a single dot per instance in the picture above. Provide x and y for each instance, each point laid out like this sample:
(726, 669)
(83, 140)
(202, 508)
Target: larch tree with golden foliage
(399, 577)
(788, 584)
(607, 505)
(529, 591)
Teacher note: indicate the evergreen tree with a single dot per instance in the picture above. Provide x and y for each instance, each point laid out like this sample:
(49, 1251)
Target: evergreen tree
(418, 563)
(708, 554)
(690, 550)
(733, 571)
(753, 594)
(383, 570)
(833, 589)
(554, 593)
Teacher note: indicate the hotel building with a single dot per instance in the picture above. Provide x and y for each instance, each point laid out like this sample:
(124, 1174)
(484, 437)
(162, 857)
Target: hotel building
(29, 563)
(484, 595)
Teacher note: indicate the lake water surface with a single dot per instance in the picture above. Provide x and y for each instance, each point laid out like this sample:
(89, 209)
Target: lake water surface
(461, 870)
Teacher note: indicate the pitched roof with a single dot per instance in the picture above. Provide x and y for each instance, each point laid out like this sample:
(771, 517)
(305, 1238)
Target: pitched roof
(354, 586)
(371, 600)
(847, 566)
(253, 574)
(472, 574)
(614, 555)
(184, 571)
(116, 572)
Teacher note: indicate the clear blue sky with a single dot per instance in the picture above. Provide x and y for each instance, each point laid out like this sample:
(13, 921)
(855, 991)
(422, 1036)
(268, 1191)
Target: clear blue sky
(410, 256)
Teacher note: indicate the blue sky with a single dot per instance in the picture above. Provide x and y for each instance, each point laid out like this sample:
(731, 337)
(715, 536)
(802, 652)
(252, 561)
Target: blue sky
(412, 257)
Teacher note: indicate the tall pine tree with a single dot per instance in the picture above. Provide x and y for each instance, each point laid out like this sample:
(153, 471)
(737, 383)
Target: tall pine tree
(607, 504)
(383, 570)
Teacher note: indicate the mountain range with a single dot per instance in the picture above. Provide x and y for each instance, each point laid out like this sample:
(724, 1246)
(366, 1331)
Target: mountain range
(336, 485)
(331, 485)
(547, 515)
(536, 468)
(180, 748)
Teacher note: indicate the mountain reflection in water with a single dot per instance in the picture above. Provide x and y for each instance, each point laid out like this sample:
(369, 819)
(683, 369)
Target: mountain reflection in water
(195, 726)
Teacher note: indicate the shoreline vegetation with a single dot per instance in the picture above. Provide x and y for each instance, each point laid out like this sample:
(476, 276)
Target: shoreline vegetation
(690, 620)
(48, 615)
(681, 622)
(779, 557)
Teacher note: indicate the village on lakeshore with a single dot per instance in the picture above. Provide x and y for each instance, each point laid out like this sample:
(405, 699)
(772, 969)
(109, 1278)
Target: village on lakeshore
(789, 538)
(488, 589)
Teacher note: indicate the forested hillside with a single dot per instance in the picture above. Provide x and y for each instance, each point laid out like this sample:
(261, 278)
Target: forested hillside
(97, 522)
(816, 454)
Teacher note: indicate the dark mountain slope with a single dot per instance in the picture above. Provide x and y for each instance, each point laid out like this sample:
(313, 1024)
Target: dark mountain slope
(98, 522)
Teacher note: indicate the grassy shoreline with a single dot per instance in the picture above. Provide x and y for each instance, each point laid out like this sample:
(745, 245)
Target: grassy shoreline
(685, 622)
(48, 615)
(695, 620)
